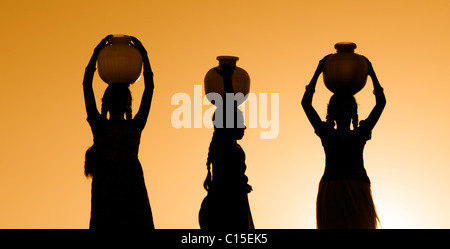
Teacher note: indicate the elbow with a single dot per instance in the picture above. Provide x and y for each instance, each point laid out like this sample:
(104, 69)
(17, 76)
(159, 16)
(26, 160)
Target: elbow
(382, 100)
(381, 103)
(307, 98)
(305, 103)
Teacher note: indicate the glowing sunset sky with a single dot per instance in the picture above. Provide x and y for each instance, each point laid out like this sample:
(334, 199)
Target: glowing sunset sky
(44, 134)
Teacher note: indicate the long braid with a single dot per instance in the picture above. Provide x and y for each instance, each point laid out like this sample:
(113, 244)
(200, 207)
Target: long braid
(213, 147)
(129, 114)
(129, 111)
(329, 118)
(209, 161)
(355, 120)
(104, 110)
(105, 102)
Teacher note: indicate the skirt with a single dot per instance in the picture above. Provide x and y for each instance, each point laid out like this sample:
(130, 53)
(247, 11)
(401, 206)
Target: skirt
(345, 204)
(119, 198)
(225, 212)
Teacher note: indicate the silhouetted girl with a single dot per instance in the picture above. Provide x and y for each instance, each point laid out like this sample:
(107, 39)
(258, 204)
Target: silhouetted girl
(226, 206)
(344, 199)
(119, 198)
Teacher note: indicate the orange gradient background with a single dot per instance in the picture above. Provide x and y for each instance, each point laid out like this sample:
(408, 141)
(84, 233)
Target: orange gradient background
(44, 134)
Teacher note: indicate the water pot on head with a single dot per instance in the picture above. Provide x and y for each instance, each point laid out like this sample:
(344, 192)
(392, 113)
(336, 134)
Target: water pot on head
(214, 82)
(119, 62)
(345, 71)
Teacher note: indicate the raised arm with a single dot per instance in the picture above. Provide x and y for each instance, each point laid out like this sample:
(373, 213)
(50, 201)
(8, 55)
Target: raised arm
(379, 98)
(89, 98)
(311, 113)
(146, 101)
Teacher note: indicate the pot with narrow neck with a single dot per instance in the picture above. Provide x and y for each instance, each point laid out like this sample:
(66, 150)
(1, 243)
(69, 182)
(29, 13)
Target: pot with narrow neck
(345, 71)
(214, 82)
(119, 62)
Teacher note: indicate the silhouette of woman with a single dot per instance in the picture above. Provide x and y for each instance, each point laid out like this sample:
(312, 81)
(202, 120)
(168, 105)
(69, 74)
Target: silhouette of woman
(344, 198)
(119, 198)
(226, 205)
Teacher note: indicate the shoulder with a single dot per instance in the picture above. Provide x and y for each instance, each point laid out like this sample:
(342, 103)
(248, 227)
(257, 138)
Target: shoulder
(364, 130)
(94, 120)
(322, 129)
(136, 124)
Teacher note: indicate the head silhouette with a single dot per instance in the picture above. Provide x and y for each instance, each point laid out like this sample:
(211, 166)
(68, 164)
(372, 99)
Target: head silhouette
(342, 109)
(117, 101)
(236, 131)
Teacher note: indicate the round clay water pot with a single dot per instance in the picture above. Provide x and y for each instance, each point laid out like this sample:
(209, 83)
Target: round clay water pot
(214, 82)
(345, 71)
(119, 62)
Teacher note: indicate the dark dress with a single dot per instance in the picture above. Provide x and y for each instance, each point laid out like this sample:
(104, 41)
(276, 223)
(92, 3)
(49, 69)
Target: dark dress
(226, 206)
(344, 199)
(119, 198)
